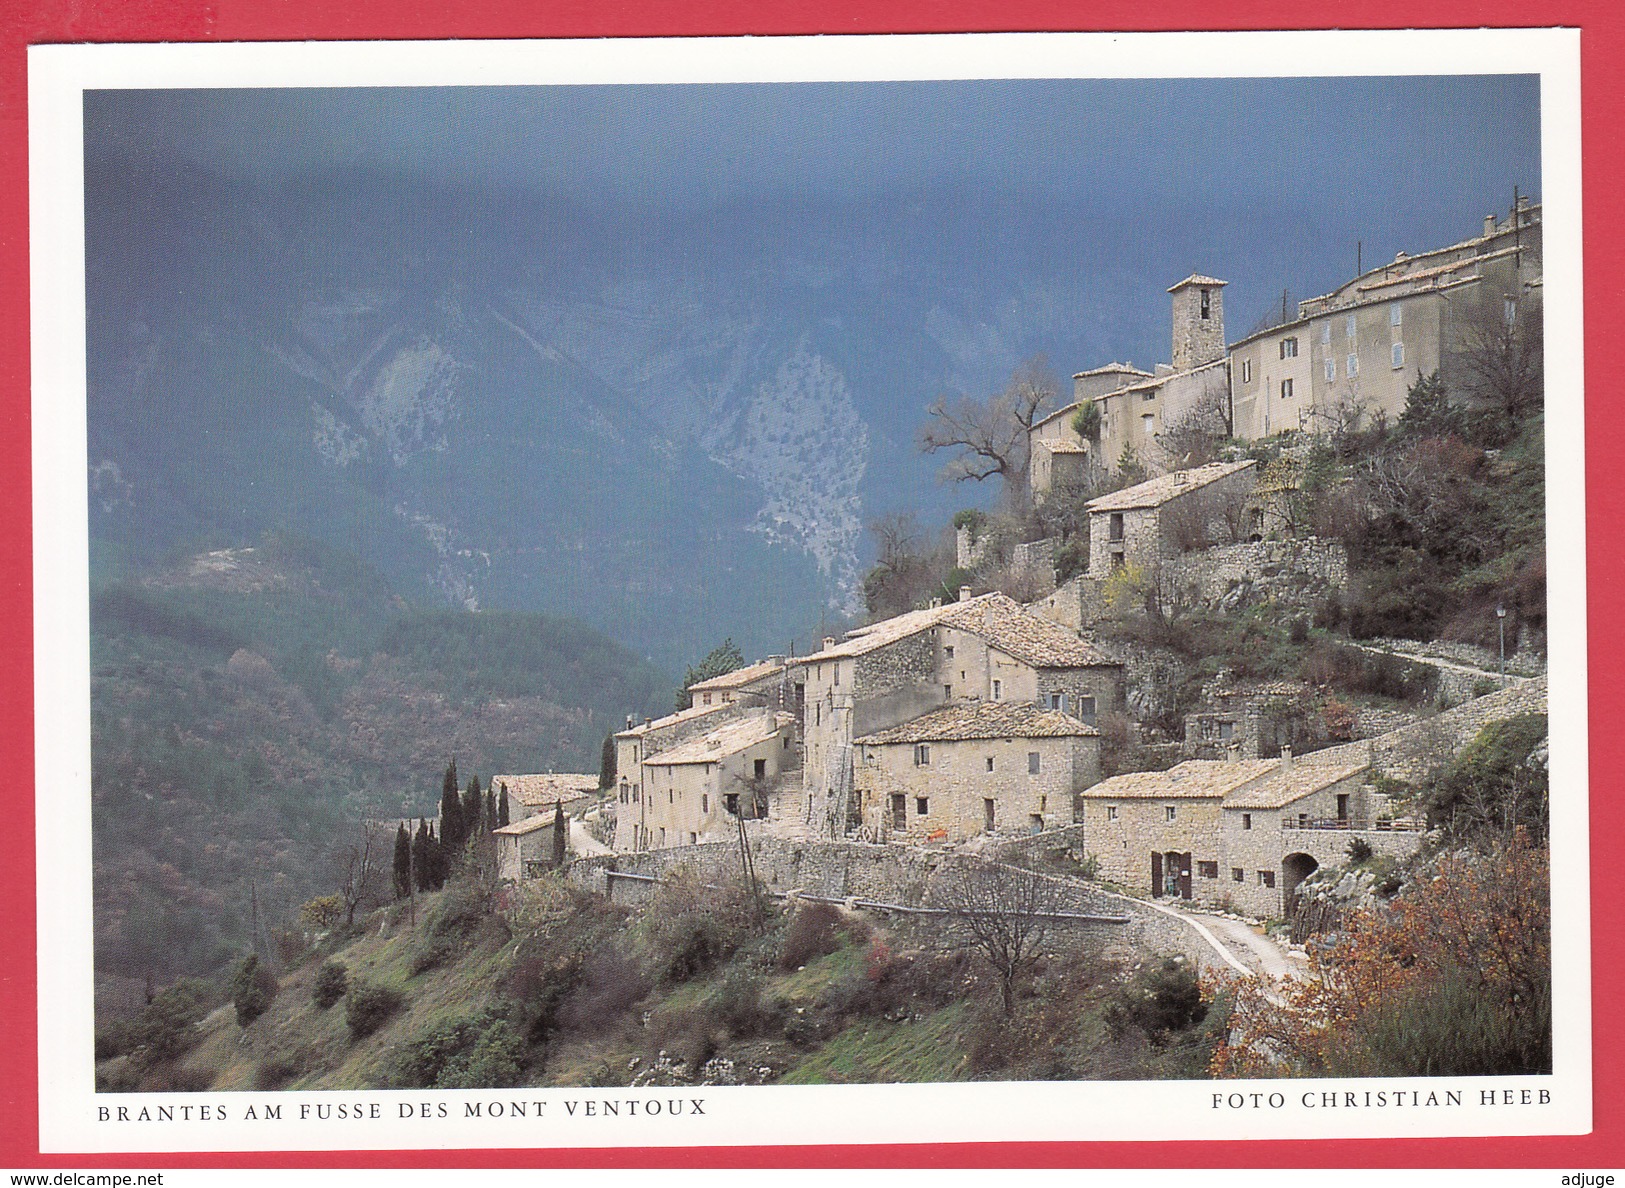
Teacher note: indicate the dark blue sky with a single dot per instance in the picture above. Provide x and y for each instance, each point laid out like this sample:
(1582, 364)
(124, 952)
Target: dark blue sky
(1355, 141)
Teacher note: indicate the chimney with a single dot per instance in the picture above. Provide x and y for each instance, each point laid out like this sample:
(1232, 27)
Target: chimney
(776, 661)
(647, 722)
(1489, 225)
(934, 604)
(629, 721)
(1232, 753)
(1286, 757)
(829, 642)
(964, 592)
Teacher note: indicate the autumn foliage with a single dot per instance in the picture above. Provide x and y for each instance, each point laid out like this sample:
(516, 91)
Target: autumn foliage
(1453, 978)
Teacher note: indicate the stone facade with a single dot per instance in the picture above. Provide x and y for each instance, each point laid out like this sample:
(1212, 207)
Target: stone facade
(1257, 718)
(1141, 525)
(688, 792)
(924, 782)
(1290, 574)
(525, 848)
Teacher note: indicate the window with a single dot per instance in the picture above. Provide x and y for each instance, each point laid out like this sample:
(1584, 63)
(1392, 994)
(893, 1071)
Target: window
(990, 762)
(1348, 327)
(922, 805)
(1227, 730)
(1289, 348)
(1266, 878)
(1398, 352)
(948, 651)
(1057, 701)
(1111, 812)
(947, 692)
(818, 713)
(1169, 812)
(922, 754)
(1509, 310)
(1032, 762)
(705, 803)
(1246, 820)
(1286, 389)
(1238, 875)
(998, 689)
(1246, 371)
(1352, 366)
(1331, 370)
(1325, 332)
(693, 839)
(1148, 423)
(706, 700)
(1208, 870)
(1396, 314)
(662, 835)
(759, 769)
(730, 802)
(1207, 305)
(1116, 529)
(837, 674)
(786, 742)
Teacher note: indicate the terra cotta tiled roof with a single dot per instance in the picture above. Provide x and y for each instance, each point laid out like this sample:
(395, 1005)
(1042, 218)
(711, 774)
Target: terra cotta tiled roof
(1155, 492)
(1193, 779)
(727, 739)
(535, 790)
(739, 677)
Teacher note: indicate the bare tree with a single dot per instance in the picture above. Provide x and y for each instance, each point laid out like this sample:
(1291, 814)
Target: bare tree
(990, 437)
(361, 867)
(1005, 912)
(1499, 354)
(1193, 439)
(907, 566)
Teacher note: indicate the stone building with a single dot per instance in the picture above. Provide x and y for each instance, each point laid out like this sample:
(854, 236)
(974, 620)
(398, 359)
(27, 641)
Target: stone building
(531, 795)
(690, 791)
(1239, 833)
(1158, 519)
(761, 684)
(525, 848)
(973, 767)
(1258, 718)
(988, 649)
(1356, 350)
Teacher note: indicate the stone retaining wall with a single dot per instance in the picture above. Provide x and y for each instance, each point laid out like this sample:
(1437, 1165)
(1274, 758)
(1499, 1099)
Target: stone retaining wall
(1293, 574)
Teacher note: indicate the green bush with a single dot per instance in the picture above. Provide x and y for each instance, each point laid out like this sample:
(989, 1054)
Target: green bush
(330, 984)
(167, 1028)
(1359, 851)
(1161, 998)
(477, 1052)
(368, 1006)
(811, 934)
(252, 988)
(432, 952)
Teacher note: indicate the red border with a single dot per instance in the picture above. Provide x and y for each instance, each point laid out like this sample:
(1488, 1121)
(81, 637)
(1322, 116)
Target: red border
(1602, 23)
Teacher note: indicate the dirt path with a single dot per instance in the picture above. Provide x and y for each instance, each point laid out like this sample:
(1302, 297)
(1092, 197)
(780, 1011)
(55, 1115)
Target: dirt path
(585, 843)
(1255, 950)
(1440, 662)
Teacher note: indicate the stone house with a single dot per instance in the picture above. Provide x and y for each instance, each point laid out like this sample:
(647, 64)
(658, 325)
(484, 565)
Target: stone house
(1258, 718)
(525, 848)
(761, 684)
(1158, 519)
(640, 740)
(533, 795)
(973, 767)
(692, 791)
(989, 649)
(1137, 408)
(1240, 833)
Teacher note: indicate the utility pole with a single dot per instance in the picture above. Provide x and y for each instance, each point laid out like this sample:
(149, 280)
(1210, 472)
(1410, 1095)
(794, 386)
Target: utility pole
(1501, 621)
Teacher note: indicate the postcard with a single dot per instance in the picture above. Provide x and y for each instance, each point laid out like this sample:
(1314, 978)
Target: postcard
(908, 589)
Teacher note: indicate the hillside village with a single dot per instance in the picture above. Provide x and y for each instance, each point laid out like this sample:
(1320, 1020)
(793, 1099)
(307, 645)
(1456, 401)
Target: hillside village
(1173, 718)
(978, 719)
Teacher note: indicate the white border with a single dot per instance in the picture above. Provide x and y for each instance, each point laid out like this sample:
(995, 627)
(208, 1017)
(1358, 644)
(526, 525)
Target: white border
(69, 1122)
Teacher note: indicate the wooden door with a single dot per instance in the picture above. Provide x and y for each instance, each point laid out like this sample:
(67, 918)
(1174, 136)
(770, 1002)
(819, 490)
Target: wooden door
(899, 812)
(1156, 874)
(1184, 876)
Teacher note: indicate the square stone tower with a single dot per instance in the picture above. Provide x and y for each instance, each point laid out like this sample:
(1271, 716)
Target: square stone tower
(1198, 321)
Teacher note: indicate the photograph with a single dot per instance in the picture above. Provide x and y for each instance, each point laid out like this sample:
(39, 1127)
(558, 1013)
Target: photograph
(671, 595)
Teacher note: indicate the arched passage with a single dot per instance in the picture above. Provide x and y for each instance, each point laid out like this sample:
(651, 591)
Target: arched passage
(1295, 868)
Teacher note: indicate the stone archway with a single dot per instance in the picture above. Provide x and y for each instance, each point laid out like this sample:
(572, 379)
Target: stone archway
(1295, 868)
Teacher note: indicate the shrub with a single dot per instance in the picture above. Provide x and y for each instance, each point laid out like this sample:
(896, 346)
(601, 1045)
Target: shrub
(1161, 998)
(811, 934)
(322, 913)
(276, 1071)
(431, 952)
(1359, 851)
(1086, 421)
(329, 985)
(972, 518)
(691, 927)
(477, 1052)
(114, 1039)
(460, 911)
(168, 1026)
(252, 989)
(368, 1006)
(1071, 559)
(1494, 786)
(607, 984)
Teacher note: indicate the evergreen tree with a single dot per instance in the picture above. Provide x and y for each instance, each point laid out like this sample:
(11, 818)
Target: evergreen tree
(491, 821)
(452, 830)
(558, 833)
(722, 659)
(439, 859)
(606, 762)
(502, 807)
(473, 821)
(421, 859)
(252, 989)
(403, 862)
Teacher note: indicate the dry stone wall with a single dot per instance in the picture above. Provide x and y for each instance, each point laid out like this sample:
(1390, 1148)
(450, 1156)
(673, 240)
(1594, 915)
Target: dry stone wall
(1292, 574)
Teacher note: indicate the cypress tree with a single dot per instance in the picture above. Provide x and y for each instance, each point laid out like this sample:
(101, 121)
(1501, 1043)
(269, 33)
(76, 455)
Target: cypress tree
(472, 818)
(421, 857)
(502, 807)
(606, 762)
(403, 862)
(437, 859)
(558, 833)
(491, 821)
(452, 831)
